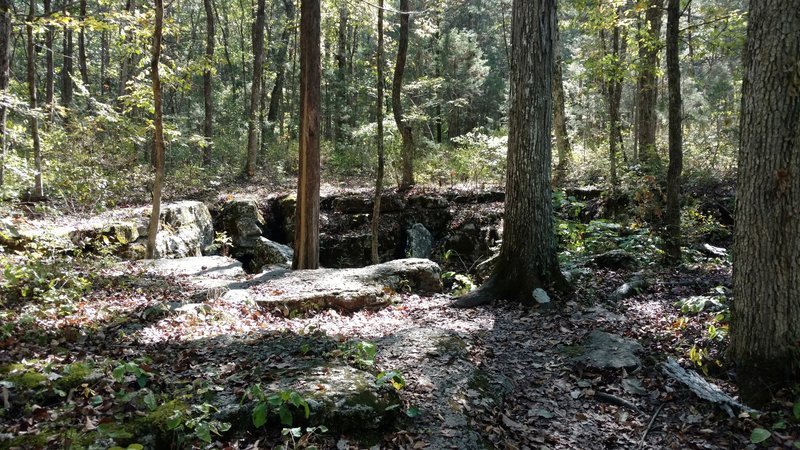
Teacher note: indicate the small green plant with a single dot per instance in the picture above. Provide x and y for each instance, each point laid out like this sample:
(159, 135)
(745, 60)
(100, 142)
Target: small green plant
(197, 422)
(140, 374)
(281, 403)
(295, 438)
(223, 242)
(365, 353)
(461, 283)
(394, 377)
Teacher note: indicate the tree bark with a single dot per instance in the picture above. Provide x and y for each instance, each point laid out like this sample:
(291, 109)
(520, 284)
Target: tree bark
(341, 76)
(158, 131)
(766, 280)
(306, 239)
(67, 69)
(49, 83)
(127, 61)
(672, 216)
(5, 65)
(253, 127)
(649, 44)
(615, 100)
(376, 207)
(38, 186)
(208, 94)
(82, 65)
(527, 257)
(407, 154)
(560, 117)
(280, 62)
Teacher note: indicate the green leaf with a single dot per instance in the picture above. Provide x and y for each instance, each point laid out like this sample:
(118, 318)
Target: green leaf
(285, 415)
(203, 432)
(260, 415)
(135, 447)
(759, 435)
(779, 425)
(412, 412)
(150, 401)
(118, 373)
(796, 411)
(174, 421)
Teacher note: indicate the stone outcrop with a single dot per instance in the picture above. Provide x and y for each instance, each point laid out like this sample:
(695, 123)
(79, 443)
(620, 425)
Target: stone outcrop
(602, 350)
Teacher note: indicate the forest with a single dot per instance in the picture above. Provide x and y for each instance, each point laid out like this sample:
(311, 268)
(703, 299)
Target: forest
(411, 224)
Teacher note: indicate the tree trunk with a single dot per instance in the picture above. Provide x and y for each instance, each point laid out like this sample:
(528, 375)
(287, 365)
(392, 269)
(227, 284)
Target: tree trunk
(376, 207)
(208, 101)
(82, 65)
(341, 75)
(527, 258)
(158, 132)
(766, 281)
(306, 238)
(560, 117)
(614, 101)
(407, 154)
(104, 60)
(67, 69)
(5, 65)
(672, 216)
(38, 187)
(49, 83)
(649, 44)
(280, 62)
(127, 61)
(253, 127)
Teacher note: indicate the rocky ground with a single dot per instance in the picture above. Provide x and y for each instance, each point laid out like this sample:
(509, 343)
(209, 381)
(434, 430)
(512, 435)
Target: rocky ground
(182, 354)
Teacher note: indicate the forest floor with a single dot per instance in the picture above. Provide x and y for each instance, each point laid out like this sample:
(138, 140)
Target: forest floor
(101, 370)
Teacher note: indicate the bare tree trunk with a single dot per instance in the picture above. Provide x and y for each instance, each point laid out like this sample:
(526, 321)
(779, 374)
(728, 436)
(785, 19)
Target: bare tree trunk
(306, 238)
(127, 61)
(104, 60)
(38, 186)
(615, 100)
(376, 208)
(527, 258)
(560, 117)
(49, 83)
(406, 134)
(766, 273)
(208, 95)
(5, 65)
(253, 127)
(158, 132)
(82, 65)
(649, 45)
(672, 238)
(280, 71)
(67, 69)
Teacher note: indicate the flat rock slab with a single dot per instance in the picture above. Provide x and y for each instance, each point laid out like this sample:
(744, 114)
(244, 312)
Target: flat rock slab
(203, 272)
(603, 350)
(346, 289)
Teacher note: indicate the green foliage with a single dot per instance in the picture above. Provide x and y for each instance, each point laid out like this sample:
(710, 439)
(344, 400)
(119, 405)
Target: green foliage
(137, 372)
(461, 284)
(197, 422)
(759, 435)
(394, 377)
(283, 404)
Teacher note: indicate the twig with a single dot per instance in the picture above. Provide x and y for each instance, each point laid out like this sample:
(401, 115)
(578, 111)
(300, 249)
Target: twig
(650, 425)
(614, 400)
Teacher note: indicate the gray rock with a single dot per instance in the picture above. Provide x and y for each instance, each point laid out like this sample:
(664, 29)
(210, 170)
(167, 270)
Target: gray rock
(629, 289)
(268, 253)
(603, 350)
(711, 251)
(419, 242)
(242, 221)
(204, 272)
(186, 229)
(615, 259)
(541, 297)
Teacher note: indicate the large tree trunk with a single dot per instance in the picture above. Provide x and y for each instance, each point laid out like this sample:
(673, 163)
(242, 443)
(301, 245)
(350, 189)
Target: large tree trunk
(766, 280)
(528, 254)
(376, 207)
(208, 95)
(672, 216)
(341, 76)
(407, 154)
(255, 90)
(306, 238)
(38, 186)
(560, 118)
(158, 132)
(649, 44)
(82, 65)
(280, 62)
(127, 62)
(5, 65)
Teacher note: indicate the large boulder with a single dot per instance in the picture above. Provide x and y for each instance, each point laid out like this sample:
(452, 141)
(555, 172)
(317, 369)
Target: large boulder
(602, 350)
(268, 253)
(242, 221)
(419, 242)
(186, 230)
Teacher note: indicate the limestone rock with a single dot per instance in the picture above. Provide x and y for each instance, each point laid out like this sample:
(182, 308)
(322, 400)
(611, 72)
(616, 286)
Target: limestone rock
(615, 259)
(712, 251)
(267, 253)
(603, 350)
(633, 287)
(186, 230)
(419, 242)
(243, 222)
